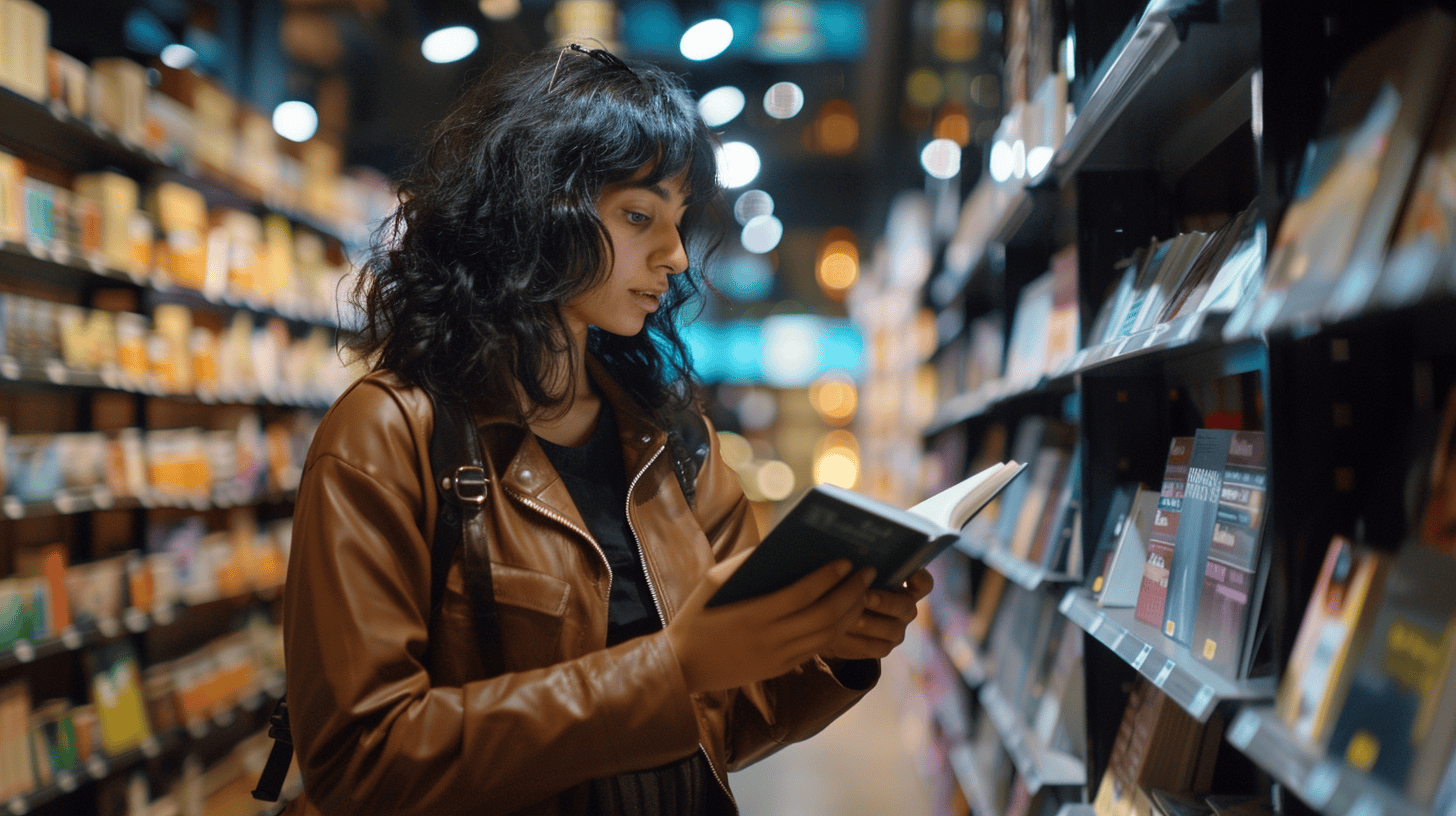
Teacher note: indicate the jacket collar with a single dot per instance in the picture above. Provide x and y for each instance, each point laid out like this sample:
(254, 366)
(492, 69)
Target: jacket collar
(528, 471)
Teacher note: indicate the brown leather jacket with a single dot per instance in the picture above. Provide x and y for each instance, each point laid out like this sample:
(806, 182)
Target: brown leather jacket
(392, 713)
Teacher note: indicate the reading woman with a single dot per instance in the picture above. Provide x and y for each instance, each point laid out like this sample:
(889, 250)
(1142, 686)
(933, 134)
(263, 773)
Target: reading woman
(542, 250)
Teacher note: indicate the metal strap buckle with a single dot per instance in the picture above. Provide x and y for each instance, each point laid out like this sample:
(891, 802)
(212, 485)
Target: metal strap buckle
(467, 485)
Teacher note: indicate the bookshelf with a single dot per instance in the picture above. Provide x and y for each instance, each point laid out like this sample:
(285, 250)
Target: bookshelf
(154, 419)
(1186, 119)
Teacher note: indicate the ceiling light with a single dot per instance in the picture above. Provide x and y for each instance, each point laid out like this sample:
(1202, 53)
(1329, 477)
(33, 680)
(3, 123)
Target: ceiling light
(450, 44)
(941, 158)
(738, 164)
(706, 40)
(295, 121)
(719, 107)
(178, 56)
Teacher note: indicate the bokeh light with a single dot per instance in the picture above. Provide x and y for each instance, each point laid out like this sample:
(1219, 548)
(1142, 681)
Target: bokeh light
(762, 234)
(835, 397)
(706, 40)
(783, 100)
(751, 204)
(738, 164)
(941, 158)
(450, 44)
(722, 105)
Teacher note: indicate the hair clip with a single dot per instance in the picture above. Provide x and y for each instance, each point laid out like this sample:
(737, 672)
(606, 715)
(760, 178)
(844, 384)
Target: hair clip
(601, 55)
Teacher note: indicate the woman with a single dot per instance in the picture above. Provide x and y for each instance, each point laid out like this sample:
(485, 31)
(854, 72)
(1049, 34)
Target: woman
(537, 265)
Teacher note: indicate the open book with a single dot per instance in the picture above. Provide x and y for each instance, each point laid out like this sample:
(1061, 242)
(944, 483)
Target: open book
(829, 523)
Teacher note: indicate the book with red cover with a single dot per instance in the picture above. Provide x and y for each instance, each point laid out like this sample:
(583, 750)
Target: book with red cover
(1164, 533)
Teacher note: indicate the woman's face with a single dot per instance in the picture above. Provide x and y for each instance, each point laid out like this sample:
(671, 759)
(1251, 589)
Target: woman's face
(646, 249)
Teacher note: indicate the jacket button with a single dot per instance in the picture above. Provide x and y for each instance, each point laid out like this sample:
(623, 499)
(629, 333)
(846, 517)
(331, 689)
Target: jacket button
(646, 438)
(525, 474)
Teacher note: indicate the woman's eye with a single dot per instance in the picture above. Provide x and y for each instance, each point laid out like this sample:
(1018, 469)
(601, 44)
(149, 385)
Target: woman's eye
(637, 217)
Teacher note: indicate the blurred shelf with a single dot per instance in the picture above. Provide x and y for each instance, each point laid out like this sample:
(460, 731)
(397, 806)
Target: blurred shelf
(965, 657)
(87, 500)
(54, 372)
(971, 777)
(99, 767)
(1077, 809)
(1023, 573)
(1325, 784)
(1164, 661)
(1038, 765)
(67, 268)
(1135, 114)
(32, 127)
(131, 621)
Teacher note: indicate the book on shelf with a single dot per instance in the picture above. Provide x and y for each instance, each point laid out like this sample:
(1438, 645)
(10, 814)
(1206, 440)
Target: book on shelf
(1230, 602)
(1046, 473)
(1063, 327)
(1398, 721)
(1158, 746)
(830, 522)
(1058, 544)
(1421, 252)
(1196, 517)
(1153, 588)
(1334, 233)
(1026, 351)
(1333, 632)
(1232, 258)
(116, 691)
(1118, 504)
(1125, 568)
(16, 776)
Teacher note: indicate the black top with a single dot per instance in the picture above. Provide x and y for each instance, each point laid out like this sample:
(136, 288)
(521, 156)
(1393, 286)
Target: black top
(597, 481)
(596, 478)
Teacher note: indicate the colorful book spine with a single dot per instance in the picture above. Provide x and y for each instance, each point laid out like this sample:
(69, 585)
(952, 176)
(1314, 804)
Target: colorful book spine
(1164, 533)
(1231, 580)
(1197, 516)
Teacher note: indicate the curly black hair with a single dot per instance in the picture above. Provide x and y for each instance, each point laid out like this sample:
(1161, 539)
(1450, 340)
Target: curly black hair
(497, 229)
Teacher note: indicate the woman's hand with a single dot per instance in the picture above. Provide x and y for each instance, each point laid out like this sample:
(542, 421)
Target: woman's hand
(755, 639)
(881, 627)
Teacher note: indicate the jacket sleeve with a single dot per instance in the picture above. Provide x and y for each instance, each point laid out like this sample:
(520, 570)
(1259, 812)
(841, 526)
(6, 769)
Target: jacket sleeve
(372, 734)
(796, 705)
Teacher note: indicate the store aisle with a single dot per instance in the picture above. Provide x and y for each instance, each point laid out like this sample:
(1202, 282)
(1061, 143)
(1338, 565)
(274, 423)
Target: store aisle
(858, 766)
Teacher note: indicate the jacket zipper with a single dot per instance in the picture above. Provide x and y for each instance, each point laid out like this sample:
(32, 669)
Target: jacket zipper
(567, 523)
(657, 602)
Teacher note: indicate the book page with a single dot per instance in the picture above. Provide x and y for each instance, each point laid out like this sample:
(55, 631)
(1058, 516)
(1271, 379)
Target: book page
(953, 507)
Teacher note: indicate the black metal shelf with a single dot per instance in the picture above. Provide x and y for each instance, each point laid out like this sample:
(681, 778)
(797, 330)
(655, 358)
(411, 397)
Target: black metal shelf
(1324, 783)
(1195, 687)
(1038, 765)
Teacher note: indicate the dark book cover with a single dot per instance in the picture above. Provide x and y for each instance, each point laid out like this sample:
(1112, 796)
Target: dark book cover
(1197, 515)
(1232, 585)
(1154, 591)
(1117, 509)
(1397, 720)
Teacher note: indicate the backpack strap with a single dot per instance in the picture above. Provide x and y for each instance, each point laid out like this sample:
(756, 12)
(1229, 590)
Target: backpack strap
(459, 476)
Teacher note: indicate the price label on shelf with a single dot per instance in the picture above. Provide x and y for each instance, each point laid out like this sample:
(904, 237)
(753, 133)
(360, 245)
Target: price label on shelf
(97, 767)
(55, 371)
(1096, 623)
(1065, 607)
(1142, 656)
(14, 507)
(17, 805)
(1367, 805)
(24, 651)
(1244, 728)
(71, 638)
(66, 781)
(152, 747)
(1321, 784)
(1162, 676)
(9, 367)
(1117, 640)
(1201, 700)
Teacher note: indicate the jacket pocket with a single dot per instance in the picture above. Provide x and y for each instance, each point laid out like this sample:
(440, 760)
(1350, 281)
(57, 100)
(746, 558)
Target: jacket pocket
(531, 608)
